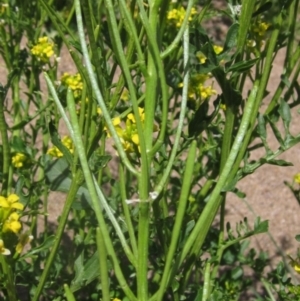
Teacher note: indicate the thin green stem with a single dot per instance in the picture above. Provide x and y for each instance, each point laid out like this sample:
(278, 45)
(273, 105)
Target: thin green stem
(58, 103)
(9, 278)
(96, 89)
(103, 265)
(94, 196)
(159, 187)
(68, 293)
(75, 184)
(260, 93)
(115, 223)
(5, 147)
(207, 216)
(172, 47)
(126, 211)
(185, 192)
(207, 284)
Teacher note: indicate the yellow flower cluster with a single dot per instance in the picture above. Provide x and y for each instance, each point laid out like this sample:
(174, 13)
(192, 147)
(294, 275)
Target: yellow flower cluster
(74, 82)
(18, 160)
(55, 152)
(176, 16)
(202, 57)
(128, 135)
(10, 223)
(197, 88)
(258, 32)
(43, 50)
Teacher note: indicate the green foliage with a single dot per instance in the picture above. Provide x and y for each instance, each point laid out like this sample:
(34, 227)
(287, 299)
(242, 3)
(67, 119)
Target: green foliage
(160, 127)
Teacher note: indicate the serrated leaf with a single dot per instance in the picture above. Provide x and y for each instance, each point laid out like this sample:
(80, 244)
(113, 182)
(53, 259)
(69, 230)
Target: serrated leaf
(261, 227)
(98, 161)
(85, 273)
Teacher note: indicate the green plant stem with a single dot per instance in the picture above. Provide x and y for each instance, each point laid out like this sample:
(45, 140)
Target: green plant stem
(94, 196)
(76, 182)
(58, 103)
(159, 187)
(268, 289)
(245, 20)
(103, 265)
(115, 223)
(173, 46)
(9, 278)
(155, 54)
(143, 244)
(5, 147)
(68, 293)
(260, 93)
(123, 64)
(185, 192)
(126, 211)
(207, 284)
(207, 216)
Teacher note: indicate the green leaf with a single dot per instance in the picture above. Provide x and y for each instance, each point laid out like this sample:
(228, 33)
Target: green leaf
(237, 273)
(265, 7)
(279, 162)
(85, 273)
(45, 246)
(241, 67)
(285, 113)
(58, 176)
(260, 227)
(174, 78)
(231, 37)
(261, 127)
(98, 161)
(297, 237)
(199, 121)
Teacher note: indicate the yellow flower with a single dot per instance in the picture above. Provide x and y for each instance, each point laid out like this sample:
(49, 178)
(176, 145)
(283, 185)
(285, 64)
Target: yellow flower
(131, 117)
(217, 49)
(297, 178)
(24, 239)
(125, 95)
(261, 27)
(3, 251)
(74, 82)
(43, 50)
(18, 160)
(295, 264)
(201, 57)
(12, 223)
(11, 202)
(116, 299)
(223, 106)
(55, 152)
(176, 16)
